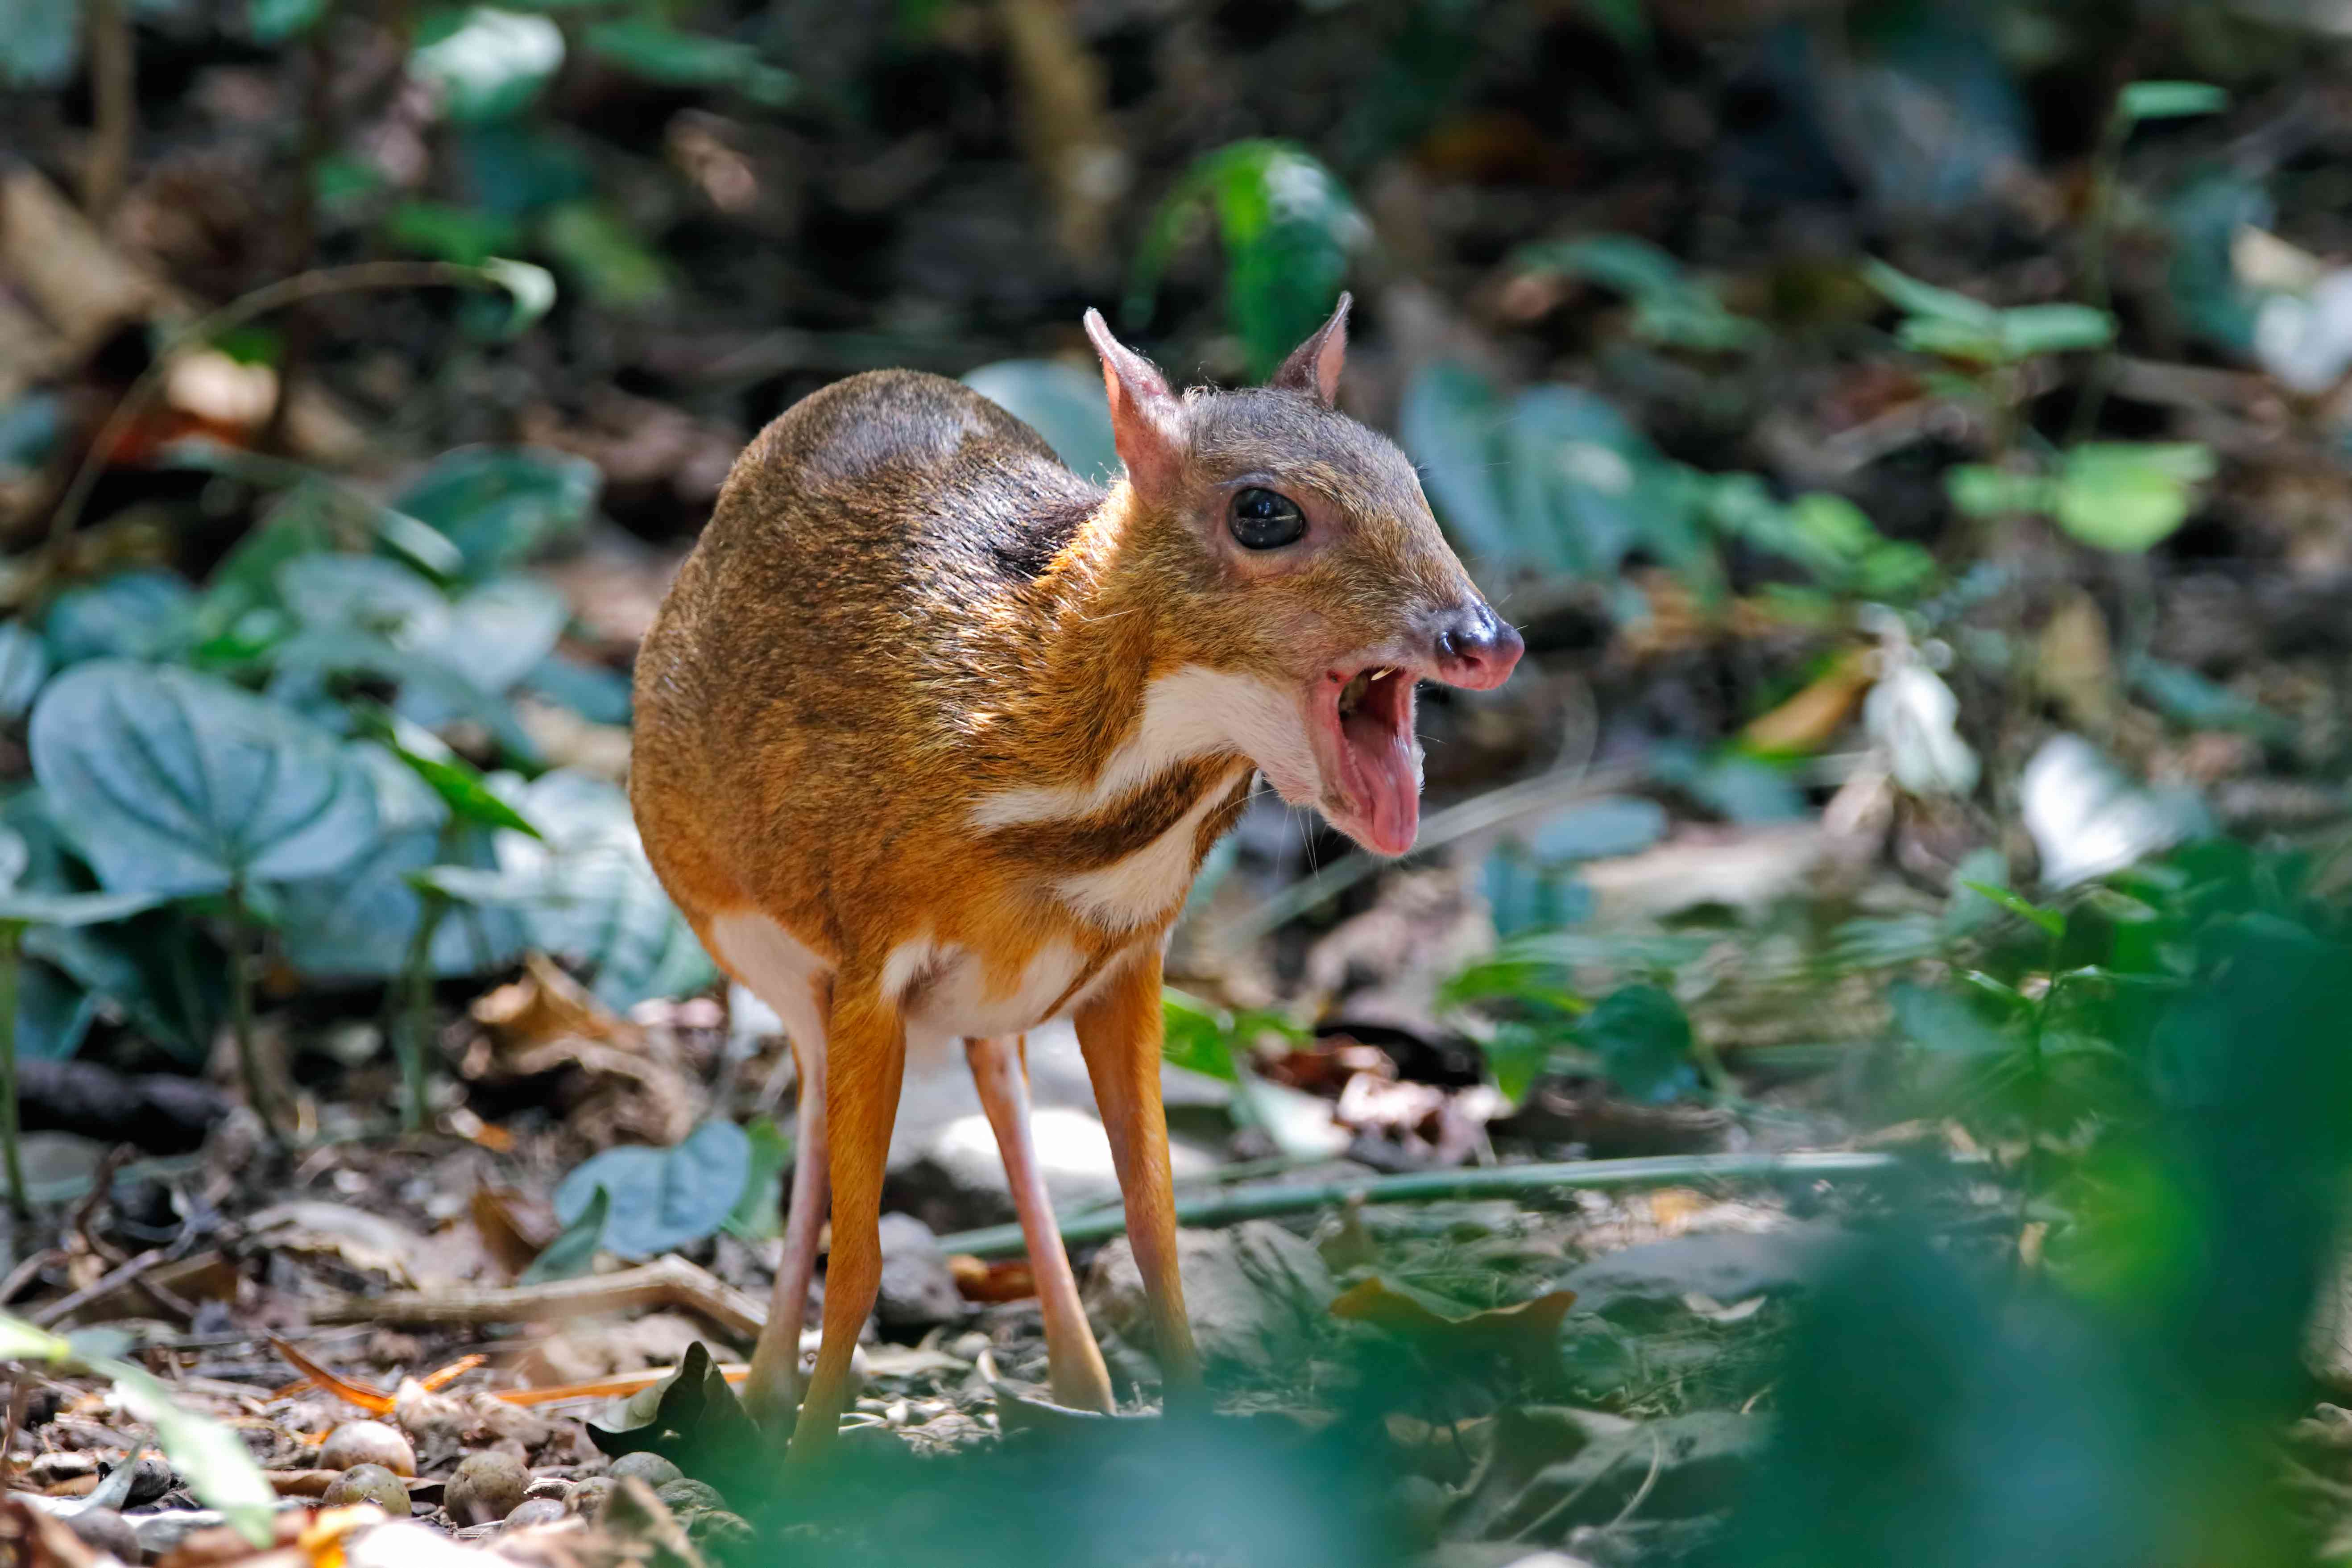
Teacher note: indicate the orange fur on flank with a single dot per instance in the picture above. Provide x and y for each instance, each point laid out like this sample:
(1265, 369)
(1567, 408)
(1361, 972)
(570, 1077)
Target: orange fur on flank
(933, 735)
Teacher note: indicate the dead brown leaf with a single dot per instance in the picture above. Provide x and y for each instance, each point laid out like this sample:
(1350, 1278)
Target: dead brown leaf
(1524, 1332)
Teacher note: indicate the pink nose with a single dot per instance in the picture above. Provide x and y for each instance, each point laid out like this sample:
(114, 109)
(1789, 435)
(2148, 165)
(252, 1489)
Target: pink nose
(1475, 649)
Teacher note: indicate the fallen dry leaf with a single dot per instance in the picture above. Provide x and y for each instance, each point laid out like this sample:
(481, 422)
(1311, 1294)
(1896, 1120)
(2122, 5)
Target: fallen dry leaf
(1807, 721)
(1524, 1332)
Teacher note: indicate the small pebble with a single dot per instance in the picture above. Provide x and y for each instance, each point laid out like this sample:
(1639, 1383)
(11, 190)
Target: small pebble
(535, 1511)
(589, 1495)
(367, 1443)
(151, 1477)
(368, 1483)
(103, 1530)
(485, 1487)
(718, 1532)
(647, 1467)
(683, 1496)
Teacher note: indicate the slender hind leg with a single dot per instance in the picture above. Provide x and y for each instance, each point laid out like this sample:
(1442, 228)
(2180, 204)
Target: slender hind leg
(865, 1059)
(1119, 1030)
(772, 1392)
(1000, 1067)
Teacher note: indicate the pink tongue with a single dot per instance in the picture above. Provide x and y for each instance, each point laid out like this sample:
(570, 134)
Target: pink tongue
(1384, 764)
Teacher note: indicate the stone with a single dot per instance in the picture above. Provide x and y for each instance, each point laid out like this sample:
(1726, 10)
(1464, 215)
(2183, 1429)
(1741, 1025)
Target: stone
(918, 1293)
(1253, 1292)
(1727, 1266)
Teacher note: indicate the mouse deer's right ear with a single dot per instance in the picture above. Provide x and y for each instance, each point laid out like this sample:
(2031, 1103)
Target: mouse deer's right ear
(1146, 420)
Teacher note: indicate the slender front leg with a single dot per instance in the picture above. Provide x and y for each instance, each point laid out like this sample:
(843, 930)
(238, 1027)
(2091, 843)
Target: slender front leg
(1001, 1069)
(772, 1392)
(865, 1059)
(1119, 1030)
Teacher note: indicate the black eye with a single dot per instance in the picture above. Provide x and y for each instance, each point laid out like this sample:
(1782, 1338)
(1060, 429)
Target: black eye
(1264, 520)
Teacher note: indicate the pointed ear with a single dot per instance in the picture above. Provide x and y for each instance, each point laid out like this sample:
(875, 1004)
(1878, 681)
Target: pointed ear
(1146, 420)
(1312, 366)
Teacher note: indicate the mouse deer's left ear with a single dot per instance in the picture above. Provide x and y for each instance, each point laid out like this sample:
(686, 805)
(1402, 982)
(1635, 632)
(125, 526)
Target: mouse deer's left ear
(1312, 366)
(1146, 420)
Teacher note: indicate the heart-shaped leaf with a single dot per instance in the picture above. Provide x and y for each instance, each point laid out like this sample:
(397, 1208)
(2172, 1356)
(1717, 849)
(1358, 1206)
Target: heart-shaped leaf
(172, 783)
(168, 979)
(497, 504)
(662, 1198)
(1643, 1040)
(24, 665)
(133, 614)
(571, 1253)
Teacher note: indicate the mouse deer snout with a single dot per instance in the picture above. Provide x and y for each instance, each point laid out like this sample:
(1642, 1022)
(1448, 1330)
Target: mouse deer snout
(1475, 648)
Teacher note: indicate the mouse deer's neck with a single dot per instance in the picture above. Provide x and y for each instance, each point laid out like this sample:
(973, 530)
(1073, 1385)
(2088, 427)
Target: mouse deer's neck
(1123, 708)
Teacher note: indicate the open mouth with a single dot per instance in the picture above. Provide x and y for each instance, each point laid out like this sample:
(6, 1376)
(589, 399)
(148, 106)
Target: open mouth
(1372, 774)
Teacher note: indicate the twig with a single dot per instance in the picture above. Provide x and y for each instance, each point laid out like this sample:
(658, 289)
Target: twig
(1641, 1492)
(1424, 1187)
(114, 108)
(25, 1273)
(672, 1283)
(101, 1187)
(20, 1400)
(114, 1279)
(365, 275)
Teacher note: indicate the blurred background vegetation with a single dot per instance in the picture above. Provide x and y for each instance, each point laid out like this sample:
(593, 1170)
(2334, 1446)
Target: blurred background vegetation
(1912, 436)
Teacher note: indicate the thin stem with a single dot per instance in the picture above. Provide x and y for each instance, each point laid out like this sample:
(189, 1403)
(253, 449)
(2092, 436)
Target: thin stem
(1425, 1186)
(11, 935)
(243, 942)
(416, 1013)
(365, 275)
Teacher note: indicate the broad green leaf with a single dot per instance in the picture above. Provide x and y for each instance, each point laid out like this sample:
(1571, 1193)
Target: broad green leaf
(461, 788)
(2127, 497)
(1452, 425)
(662, 1198)
(275, 21)
(499, 504)
(597, 901)
(20, 1341)
(2050, 920)
(1978, 489)
(466, 236)
(2169, 100)
(1524, 896)
(368, 593)
(1196, 1035)
(1287, 226)
(431, 680)
(24, 906)
(2030, 329)
(148, 615)
(172, 783)
(53, 1014)
(574, 1251)
(645, 47)
(2188, 698)
(1063, 403)
(756, 1215)
(597, 693)
(24, 665)
(40, 43)
(596, 245)
(168, 980)
(1926, 301)
(1670, 307)
(1943, 1021)
(209, 1457)
(1644, 1041)
(484, 63)
(1516, 1057)
(15, 856)
(1597, 829)
(532, 289)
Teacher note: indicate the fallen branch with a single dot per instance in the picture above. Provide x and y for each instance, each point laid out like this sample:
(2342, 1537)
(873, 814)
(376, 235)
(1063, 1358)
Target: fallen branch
(672, 1283)
(1427, 1186)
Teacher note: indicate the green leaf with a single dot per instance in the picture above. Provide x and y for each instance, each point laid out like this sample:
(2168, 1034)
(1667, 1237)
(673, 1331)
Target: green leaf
(2127, 497)
(604, 256)
(597, 693)
(596, 900)
(209, 1457)
(466, 236)
(532, 289)
(662, 1198)
(168, 979)
(1063, 403)
(145, 616)
(2028, 330)
(172, 783)
(1943, 1022)
(500, 504)
(40, 43)
(1597, 829)
(1452, 425)
(1523, 896)
(461, 788)
(1196, 1035)
(574, 1251)
(1670, 307)
(1644, 1041)
(275, 21)
(23, 906)
(1927, 301)
(20, 1341)
(1516, 1057)
(368, 593)
(2188, 698)
(2169, 100)
(1287, 226)
(2050, 920)
(756, 1215)
(24, 665)
(646, 49)
(53, 1014)
(486, 64)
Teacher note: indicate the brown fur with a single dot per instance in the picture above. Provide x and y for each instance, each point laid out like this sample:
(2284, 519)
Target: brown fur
(904, 604)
